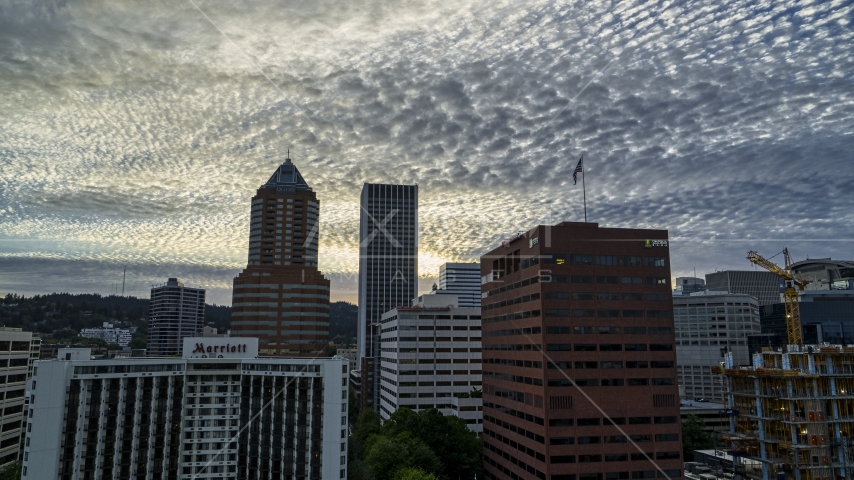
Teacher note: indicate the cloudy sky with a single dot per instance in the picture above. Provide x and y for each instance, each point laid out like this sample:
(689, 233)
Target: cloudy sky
(135, 132)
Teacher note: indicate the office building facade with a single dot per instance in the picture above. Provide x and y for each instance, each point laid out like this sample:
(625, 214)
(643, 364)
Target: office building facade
(281, 297)
(15, 362)
(461, 280)
(689, 285)
(825, 273)
(579, 373)
(431, 353)
(388, 255)
(708, 326)
(220, 412)
(827, 316)
(174, 313)
(109, 334)
(765, 286)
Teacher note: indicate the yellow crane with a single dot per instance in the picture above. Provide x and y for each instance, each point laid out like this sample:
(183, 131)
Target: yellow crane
(791, 297)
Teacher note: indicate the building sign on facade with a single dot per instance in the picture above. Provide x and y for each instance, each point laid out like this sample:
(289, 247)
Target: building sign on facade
(654, 243)
(222, 347)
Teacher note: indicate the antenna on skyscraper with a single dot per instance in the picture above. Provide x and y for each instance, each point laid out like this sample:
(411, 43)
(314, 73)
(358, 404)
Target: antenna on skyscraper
(124, 275)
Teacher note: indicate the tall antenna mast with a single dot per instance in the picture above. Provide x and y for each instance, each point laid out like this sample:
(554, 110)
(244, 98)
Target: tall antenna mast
(124, 275)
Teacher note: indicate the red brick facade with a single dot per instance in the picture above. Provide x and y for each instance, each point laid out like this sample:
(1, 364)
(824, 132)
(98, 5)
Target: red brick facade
(578, 328)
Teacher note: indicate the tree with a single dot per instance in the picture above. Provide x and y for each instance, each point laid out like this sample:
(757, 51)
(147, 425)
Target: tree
(409, 473)
(386, 455)
(458, 448)
(694, 437)
(138, 343)
(11, 472)
(367, 425)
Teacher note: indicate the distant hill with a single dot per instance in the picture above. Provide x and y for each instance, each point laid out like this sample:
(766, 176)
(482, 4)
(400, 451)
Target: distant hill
(64, 311)
(343, 318)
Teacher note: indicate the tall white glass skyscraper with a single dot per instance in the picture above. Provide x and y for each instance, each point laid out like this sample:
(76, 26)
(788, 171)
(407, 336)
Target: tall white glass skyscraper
(388, 255)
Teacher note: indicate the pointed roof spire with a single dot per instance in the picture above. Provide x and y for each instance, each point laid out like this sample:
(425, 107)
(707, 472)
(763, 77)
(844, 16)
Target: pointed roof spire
(287, 177)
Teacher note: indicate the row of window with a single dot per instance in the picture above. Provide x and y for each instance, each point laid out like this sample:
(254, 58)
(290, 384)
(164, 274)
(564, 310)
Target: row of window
(596, 421)
(562, 330)
(612, 364)
(613, 457)
(611, 382)
(608, 347)
(585, 312)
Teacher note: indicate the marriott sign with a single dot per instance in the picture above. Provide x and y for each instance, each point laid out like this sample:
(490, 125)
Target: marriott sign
(220, 347)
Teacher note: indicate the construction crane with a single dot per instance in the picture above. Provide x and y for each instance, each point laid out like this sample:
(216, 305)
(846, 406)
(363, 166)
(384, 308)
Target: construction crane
(791, 297)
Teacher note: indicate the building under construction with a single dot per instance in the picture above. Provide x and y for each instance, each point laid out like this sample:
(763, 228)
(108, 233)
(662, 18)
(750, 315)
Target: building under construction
(793, 412)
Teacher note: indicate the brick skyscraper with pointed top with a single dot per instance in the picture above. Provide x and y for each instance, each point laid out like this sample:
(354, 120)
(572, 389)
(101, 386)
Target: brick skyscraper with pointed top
(281, 297)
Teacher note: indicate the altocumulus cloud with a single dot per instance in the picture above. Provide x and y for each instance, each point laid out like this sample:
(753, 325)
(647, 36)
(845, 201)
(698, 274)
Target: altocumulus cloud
(135, 132)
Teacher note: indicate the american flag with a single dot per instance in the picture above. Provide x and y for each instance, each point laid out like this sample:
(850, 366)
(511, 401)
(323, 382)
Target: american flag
(577, 170)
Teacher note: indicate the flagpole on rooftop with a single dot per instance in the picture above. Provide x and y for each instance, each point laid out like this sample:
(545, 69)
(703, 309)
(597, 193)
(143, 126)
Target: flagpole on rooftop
(584, 188)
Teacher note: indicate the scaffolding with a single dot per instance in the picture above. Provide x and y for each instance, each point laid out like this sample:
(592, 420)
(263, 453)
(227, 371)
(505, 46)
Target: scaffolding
(795, 412)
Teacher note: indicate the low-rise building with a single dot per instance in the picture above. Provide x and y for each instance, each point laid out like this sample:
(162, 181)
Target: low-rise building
(708, 325)
(431, 352)
(220, 412)
(108, 333)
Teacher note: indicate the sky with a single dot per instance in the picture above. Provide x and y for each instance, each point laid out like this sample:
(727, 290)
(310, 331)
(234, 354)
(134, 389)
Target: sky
(134, 133)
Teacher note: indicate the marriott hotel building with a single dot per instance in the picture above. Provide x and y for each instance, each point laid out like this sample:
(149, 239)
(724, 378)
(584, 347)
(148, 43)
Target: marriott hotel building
(220, 412)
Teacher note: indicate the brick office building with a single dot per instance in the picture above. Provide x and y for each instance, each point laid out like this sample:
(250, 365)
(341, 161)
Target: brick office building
(281, 297)
(575, 301)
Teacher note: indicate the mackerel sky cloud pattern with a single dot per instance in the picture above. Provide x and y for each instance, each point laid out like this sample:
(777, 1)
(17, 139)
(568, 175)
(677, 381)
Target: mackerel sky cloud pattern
(135, 133)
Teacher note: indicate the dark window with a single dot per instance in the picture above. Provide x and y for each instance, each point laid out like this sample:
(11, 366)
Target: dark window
(590, 459)
(606, 260)
(578, 312)
(662, 364)
(643, 474)
(589, 440)
(658, 313)
(606, 279)
(667, 437)
(632, 296)
(608, 296)
(582, 279)
(554, 312)
(640, 421)
(660, 347)
(664, 420)
(609, 330)
(587, 382)
(612, 382)
(562, 459)
(617, 457)
(634, 330)
(582, 296)
(630, 261)
(637, 364)
(580, 259)
(635, 347)
(609, 313)
(557, 295)
(611, 347)
(585, 365)
(585, 347)
(638, 382)
(663, 381)
(561, 422)
(558, 347)
(633, 313)
(611, 364)
(561, 441)
(660, 330)
(588, 422)
(655, 261)
(631, 280)
(614, 421)
(615, 439)
(657, 281)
